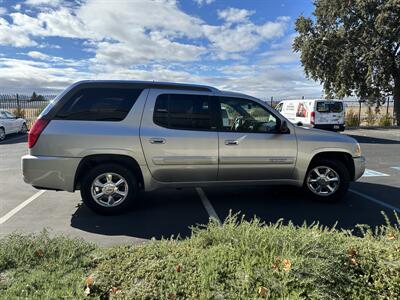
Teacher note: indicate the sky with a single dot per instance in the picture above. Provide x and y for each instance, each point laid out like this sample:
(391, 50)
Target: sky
(237, 45)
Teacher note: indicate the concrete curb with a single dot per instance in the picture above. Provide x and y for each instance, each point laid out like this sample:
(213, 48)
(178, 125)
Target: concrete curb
(373, 127)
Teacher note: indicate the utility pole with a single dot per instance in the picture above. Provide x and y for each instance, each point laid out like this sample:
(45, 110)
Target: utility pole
(272, 98)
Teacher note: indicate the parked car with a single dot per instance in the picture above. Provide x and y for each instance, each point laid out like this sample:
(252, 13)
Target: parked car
(318, 113)
(9, 123)
(110, 139)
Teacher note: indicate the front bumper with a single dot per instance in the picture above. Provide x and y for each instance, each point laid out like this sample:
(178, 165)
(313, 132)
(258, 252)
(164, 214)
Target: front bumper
(49, 172)
(359, 166)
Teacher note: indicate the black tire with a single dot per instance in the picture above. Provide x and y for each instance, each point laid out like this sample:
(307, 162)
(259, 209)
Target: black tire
(24, 129)
(2, 134)
(344, 180)
(91, 175)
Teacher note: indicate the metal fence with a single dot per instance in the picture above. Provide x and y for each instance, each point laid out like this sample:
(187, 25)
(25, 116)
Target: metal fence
(25, 106)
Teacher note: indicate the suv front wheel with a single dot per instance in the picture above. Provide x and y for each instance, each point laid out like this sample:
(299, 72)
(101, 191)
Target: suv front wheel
(327, 180)
(109, 189)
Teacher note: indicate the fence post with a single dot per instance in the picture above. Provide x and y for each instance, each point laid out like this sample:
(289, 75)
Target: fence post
(359, 113)
(18, 107)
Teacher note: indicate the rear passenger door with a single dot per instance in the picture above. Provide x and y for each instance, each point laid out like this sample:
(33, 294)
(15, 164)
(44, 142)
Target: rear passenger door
(179, 136)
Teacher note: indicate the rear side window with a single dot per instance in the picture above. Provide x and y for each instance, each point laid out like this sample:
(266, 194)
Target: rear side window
(187, 112)
(326, 107)
(99, 104)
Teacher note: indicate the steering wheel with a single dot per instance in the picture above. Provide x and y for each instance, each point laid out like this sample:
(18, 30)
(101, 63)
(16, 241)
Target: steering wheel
(237, 123)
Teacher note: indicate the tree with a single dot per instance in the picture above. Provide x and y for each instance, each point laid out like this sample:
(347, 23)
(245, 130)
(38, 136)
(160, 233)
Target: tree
(353, 48)
(33, 97)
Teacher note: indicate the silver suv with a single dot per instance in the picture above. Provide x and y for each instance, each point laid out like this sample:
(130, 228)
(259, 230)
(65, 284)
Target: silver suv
(109, 139)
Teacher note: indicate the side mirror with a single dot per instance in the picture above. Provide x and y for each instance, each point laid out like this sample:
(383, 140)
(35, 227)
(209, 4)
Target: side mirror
(283, 127)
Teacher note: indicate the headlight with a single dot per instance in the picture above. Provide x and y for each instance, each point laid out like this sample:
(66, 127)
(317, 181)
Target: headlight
(357, 151)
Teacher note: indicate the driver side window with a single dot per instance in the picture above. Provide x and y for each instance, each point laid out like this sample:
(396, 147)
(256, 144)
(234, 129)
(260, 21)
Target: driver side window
(243, 115)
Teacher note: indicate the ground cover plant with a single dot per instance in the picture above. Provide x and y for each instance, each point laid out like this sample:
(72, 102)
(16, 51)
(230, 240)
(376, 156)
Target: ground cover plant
(238, 260)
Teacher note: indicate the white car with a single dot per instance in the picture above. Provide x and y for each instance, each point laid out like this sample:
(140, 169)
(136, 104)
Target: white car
(9, 123)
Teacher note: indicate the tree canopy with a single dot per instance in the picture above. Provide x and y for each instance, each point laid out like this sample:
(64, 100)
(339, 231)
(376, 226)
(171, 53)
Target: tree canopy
(353, 48)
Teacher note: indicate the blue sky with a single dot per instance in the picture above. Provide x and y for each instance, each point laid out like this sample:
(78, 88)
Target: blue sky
(245, 46)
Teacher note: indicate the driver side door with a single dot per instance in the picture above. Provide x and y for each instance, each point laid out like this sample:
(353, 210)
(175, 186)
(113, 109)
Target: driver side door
(250, 147)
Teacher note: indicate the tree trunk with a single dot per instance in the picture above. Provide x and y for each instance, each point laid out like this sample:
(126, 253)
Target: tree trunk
(396, 99)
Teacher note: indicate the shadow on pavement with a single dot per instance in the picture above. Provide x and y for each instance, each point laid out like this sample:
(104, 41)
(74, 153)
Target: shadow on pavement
(15, 139)
(157, 214)
(169, 212)
(373, 140)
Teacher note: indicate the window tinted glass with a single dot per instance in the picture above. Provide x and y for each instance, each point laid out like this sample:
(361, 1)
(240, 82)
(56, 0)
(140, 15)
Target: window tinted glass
(337, 107)
(322, 107)
(99, 104)
(329, 107)
(179, 111)
(242, 115)
(9, 115)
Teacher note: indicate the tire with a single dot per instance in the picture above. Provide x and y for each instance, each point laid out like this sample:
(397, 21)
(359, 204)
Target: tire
(339, 171)
(101, 175)
(24, 129)
(2, 134)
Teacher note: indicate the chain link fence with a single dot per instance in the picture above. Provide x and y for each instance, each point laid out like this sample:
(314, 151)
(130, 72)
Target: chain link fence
(24, 106)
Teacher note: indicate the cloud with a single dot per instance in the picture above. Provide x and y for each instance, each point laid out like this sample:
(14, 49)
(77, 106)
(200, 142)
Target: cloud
(53, 3)
(14, 35)
(3, 10)
(244, 36)
(202, 2)
(234, 15)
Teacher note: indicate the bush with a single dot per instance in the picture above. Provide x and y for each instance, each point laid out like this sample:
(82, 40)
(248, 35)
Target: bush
(19, 112)
(351, 119)
(238, 260)
(370, 119)
(386, 120)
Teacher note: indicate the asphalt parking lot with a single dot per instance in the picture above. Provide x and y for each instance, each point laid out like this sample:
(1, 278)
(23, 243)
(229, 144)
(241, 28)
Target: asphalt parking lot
(172, 212)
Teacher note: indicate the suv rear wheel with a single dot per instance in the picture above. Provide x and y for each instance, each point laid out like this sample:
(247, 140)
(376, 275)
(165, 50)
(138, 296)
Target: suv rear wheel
(327, 180)
(109, 189)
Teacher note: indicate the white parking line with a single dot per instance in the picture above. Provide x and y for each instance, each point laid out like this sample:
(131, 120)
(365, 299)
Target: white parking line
(207, 204)
(372, 199)
(372, 173)
(19, 207)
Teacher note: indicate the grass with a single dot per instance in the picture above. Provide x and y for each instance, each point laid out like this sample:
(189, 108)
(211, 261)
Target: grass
(238, 260)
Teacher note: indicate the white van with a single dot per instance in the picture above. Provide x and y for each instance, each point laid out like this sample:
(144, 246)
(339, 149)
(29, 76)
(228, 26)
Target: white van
(317, 113)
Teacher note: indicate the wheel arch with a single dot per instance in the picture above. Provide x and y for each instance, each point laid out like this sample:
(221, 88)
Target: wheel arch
(343, 157)
(120, 159)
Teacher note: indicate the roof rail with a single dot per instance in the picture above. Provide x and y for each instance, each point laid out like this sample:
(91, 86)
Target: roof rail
(151, 84)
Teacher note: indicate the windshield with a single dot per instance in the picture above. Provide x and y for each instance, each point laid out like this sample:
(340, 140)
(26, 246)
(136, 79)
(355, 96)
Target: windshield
(326, 107)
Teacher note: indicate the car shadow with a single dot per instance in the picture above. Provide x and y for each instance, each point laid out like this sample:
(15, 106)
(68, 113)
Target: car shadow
(159, 214)
(373, 140)
(15, 138)
(169, 213)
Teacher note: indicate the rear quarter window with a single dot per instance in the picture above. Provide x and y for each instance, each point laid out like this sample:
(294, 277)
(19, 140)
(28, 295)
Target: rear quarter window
(99, 104)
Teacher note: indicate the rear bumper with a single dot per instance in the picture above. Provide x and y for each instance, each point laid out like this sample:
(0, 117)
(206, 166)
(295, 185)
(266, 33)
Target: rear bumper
(359, 167)
(48, 172)
(341, 127)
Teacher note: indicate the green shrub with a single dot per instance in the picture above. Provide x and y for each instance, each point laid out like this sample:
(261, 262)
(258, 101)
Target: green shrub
(351, 119)
(238, 260)
(370, 119)
(386, 120)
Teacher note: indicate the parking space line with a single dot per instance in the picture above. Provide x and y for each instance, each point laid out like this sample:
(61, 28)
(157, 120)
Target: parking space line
(207, 205)
(372, 173)
(396, 168)
(19, 207)
(372, 199)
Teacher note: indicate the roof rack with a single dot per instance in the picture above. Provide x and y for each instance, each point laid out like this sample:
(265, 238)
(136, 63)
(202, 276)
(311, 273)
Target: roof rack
(151, 84)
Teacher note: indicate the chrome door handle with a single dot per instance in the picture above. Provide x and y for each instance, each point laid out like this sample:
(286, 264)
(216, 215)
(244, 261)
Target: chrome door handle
(157, 140)
(231, 142)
